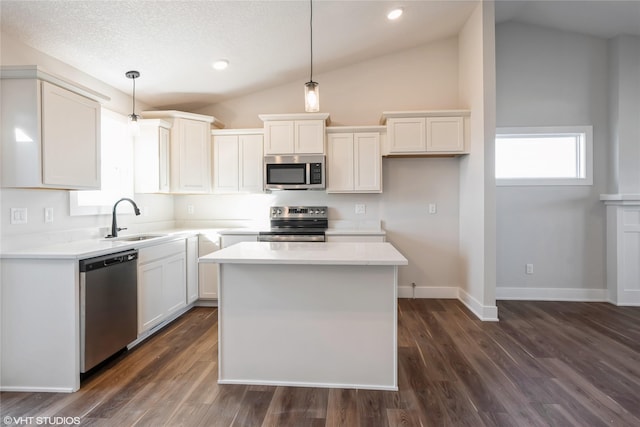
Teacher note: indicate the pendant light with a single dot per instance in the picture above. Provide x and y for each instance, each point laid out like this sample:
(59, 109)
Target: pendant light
(133, 117)
(311, 89)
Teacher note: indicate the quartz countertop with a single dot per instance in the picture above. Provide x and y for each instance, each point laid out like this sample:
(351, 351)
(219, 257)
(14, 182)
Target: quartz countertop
(327, 253)
(88, 248)
(329, 231)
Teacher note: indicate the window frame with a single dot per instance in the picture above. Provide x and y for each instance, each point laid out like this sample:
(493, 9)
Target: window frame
(552, 131)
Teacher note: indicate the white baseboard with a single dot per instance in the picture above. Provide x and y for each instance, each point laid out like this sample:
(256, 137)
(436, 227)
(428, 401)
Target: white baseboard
(487, 313)
(551, 294)
(483, 312)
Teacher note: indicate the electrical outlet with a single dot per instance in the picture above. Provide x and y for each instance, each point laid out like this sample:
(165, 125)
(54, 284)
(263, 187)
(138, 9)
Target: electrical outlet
(48, 215)
(433, 208)
(361, 209)
(529, 268)
(18, 215)
(190, 209)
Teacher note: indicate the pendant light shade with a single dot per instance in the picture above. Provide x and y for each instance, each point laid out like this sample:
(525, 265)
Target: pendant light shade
(311, 88)
(133, 117)
(311, 97)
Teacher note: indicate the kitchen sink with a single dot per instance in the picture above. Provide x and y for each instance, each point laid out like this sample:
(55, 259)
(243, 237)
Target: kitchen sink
(138, 237)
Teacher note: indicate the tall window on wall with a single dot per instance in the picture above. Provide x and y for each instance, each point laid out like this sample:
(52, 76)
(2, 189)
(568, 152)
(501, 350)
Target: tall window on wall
(544, 156)
(116, 166)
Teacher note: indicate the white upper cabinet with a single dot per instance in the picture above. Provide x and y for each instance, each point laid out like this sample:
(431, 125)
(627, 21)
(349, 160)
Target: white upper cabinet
(426, 132)
(354, 162)
(152, 155)
(190, 150)
(294, 133)
(237, 161)
(50, 131)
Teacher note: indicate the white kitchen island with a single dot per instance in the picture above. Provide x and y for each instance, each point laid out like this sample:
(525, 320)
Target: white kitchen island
(308, 314)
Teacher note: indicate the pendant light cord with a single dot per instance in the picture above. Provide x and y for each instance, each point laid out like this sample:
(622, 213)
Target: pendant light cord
(133, 105)
(311, 38)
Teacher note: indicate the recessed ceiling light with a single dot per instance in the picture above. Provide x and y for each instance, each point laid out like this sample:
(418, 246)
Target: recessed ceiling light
(220, 64)
(394, 14)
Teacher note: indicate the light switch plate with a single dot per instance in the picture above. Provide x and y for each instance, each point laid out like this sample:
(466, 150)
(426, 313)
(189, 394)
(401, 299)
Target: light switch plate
(361, 209)
(48, 215)
(18, 215)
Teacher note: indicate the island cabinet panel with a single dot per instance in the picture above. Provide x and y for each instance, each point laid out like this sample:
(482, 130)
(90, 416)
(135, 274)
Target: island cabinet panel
(207, 272)
(162, 282)
(319, 331)
(192, 269)
(50, 136)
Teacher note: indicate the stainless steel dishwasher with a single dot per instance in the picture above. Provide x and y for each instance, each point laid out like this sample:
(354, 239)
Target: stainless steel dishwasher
(108, 306)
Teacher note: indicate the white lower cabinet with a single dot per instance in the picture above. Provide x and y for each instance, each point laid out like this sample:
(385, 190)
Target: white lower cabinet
(227, 240)
(162, 287)
(359, 238)
(208, 272)
(192, 269)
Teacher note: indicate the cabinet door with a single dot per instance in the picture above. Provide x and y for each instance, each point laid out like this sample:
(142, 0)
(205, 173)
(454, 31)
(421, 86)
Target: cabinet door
(70, 139)
(192, 269)
(278, 137)
(340, 162)
(445, 134)
(190, 156)
(151, 307)
(225, 161)
(164, 168)
(208, 272)
(174, 284)
(251, 164)
(406, 135)
(152, 159)
(367, 162)
(309, 137)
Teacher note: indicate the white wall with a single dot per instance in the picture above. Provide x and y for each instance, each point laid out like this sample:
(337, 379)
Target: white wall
(425, 77)
(477, 176)
(65, 227)
(547, 77)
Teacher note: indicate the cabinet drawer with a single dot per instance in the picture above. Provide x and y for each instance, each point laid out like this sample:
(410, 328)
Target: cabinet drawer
(164, 250)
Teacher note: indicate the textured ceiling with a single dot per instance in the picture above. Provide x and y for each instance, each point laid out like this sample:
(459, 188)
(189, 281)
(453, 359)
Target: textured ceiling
(173, 43)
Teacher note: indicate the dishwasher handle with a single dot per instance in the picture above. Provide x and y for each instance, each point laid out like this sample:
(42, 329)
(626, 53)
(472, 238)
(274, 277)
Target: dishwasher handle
(104, 261)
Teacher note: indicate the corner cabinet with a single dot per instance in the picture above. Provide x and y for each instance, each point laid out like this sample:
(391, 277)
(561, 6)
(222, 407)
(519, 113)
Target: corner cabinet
(354, 162)
(237, 161)
(294, 133)
(50, 131)
(426, 132)
(190, 150)
(151, 154)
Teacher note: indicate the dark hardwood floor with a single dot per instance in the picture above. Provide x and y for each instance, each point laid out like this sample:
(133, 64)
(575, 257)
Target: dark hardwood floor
(544, 363)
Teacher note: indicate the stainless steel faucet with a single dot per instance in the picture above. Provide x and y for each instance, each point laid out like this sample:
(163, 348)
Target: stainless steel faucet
(114, 224)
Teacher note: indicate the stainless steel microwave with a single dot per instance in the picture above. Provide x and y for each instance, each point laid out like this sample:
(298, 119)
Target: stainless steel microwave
(294, 172)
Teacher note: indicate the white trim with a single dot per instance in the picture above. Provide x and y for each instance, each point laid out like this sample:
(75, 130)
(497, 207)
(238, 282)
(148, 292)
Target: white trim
(552, 130)
(551, 294)
(482, 312)
(308, 384)
(486, 313)
(37, 389)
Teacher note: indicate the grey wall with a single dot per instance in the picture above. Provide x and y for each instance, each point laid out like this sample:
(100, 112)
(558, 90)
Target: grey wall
(547, 77)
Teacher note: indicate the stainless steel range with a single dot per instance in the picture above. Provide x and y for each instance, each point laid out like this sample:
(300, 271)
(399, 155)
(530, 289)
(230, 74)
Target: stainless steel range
(296, 224)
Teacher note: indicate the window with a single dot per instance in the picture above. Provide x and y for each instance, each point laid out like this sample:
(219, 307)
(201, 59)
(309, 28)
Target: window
(544, 156)
(116, 167)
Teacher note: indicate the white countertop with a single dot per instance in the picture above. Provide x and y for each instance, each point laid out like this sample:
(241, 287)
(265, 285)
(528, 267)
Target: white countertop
(89, 248)
(327, 253)
(329, 231)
